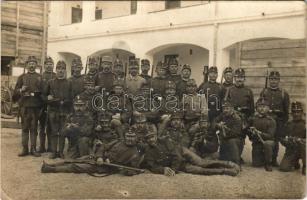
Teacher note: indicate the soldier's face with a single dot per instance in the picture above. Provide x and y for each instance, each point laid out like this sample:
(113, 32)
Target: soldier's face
(170, 91)
(203, 124)
(49, 67)
(31, 66)
(274, 82)
(173, 69)
(90, 88)
(161, 72)
(145, 68)
(297, 115)
(130, 140)
(239, 80)
(92, 69)
(152, 140)
(105, 124)
(134, 71)
(106, 67)
(118, 89)
(191, 89)
(76, 71)
(79, 108)
(228, 110)
(140, 124)
(176, 123)
(228, 77)
(185, 73)
(263, 109)
(60, 72)
(212, 76)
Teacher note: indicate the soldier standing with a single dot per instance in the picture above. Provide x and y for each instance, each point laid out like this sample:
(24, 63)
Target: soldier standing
(145, 67)
(77, 80)
(213, 92)
(185, 76)
(294, 140)
(228, 83)
(44, 126)
(104, 79)
(229, 125)
(134, 81)
(262, 130)
(173, 70)
(78, 129)
(118, 69)
(59, 99)
(92, 70)
(159, 82)
(28, 91)
(279, 104)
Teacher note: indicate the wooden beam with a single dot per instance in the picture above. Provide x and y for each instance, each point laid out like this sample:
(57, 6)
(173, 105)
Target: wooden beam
(17, 30)
(45, 25)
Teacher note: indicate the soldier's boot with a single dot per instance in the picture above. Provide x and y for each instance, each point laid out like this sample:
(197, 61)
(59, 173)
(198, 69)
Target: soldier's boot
(274, 162)
(304, 170)
(24, 152)
(268, 167)
(54, 141)
(34, 152)
(46, 168)
(230, 172)
(42, 140)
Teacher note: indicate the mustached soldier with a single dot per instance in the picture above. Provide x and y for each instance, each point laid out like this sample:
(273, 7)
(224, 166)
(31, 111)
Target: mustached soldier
(145, 67)
(228, 76)
(294, 140)
(28, 91)
(159, 82)
(173, 71)
(279, 103)
(59, 98)
(77, 79)
(185, 76)
(262, 130)
(105, 78)
(44, 126)
(118, 69)
(134, 81)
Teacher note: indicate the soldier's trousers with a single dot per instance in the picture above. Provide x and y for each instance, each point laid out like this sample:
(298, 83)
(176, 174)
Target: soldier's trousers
(79, 147)
(29, 124)
(57, 122)
(44, 130)
(291, 157)
(230, 150)
(262, 153)
(77, 168)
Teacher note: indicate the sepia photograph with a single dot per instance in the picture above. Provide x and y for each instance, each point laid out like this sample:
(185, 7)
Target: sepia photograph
(166, 99)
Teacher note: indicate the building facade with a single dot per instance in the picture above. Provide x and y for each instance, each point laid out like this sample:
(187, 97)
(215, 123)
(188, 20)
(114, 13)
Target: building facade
(253, 35)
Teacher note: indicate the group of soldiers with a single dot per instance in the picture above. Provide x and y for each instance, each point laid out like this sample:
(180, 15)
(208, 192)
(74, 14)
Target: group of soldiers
(165, 123)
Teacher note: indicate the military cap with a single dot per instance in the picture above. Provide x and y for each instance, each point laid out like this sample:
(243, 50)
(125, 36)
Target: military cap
(118, 62)
(145, 62)
(134, 63)
(262, 101)
(213, 69)
(296, 106)
(92, 61)
(139, 117)
(118, 82)
(60, 64)
(186, 66)
(78, 101)
(173, 62)
(177, 115)
(48, 59)
(227, 104)
(32, 59)
(228, 69)
(191, 82)
(76, 62)
(203, 117)
(170, 85)
(106, 59)
(274, 74)
(105, 116)
(240, 72)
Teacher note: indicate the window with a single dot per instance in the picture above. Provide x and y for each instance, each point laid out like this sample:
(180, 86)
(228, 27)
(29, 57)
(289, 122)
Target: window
(76, 14)
(170, 4)
(133, 7)
(98, 13)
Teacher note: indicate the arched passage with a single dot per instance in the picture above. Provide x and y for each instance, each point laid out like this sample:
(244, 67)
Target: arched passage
(191, 54)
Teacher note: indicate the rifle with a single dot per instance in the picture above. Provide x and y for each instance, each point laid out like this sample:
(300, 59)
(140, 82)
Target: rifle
(254, 131)
(93, 162)
(205, 73)
(222, 76)
(267, 74)
(87, 61)
(151, 75)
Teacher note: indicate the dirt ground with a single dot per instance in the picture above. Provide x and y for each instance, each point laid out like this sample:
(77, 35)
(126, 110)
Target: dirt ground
(21, 179)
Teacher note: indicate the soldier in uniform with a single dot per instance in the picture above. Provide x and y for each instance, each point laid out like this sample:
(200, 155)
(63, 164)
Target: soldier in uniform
(162, 156)
(28, 91)
(44, 126)
(185, 76)
(173, 70)
(145, 67)
(242, 98)
(159, 82)
(294, 140)
(105, 78)
(59, 99)
(119, 152)
(118, 69)
(87, 96)
(92, 70)
(78, 129)
(213, 92)
(134, 80)
(262, 130)
(279, 104)
(229, 125)
(204, 141)
(76, 79)
(228, 76)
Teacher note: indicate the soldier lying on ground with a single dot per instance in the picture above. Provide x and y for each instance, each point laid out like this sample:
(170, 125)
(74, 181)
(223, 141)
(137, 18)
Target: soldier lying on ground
(162, 156)
(104, 161)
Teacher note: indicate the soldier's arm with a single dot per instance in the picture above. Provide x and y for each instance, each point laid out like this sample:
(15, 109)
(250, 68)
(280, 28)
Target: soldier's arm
(252, 103)
(17, 92)
(286, 105)
(234, 128)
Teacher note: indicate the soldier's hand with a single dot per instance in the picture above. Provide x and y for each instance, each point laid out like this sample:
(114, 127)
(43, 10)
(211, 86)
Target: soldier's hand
(107, 160)
(97, 88)
(205, 141)
(168, 171)
(98, 128)
(50, 97)
(100, 161)
(24, 88)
